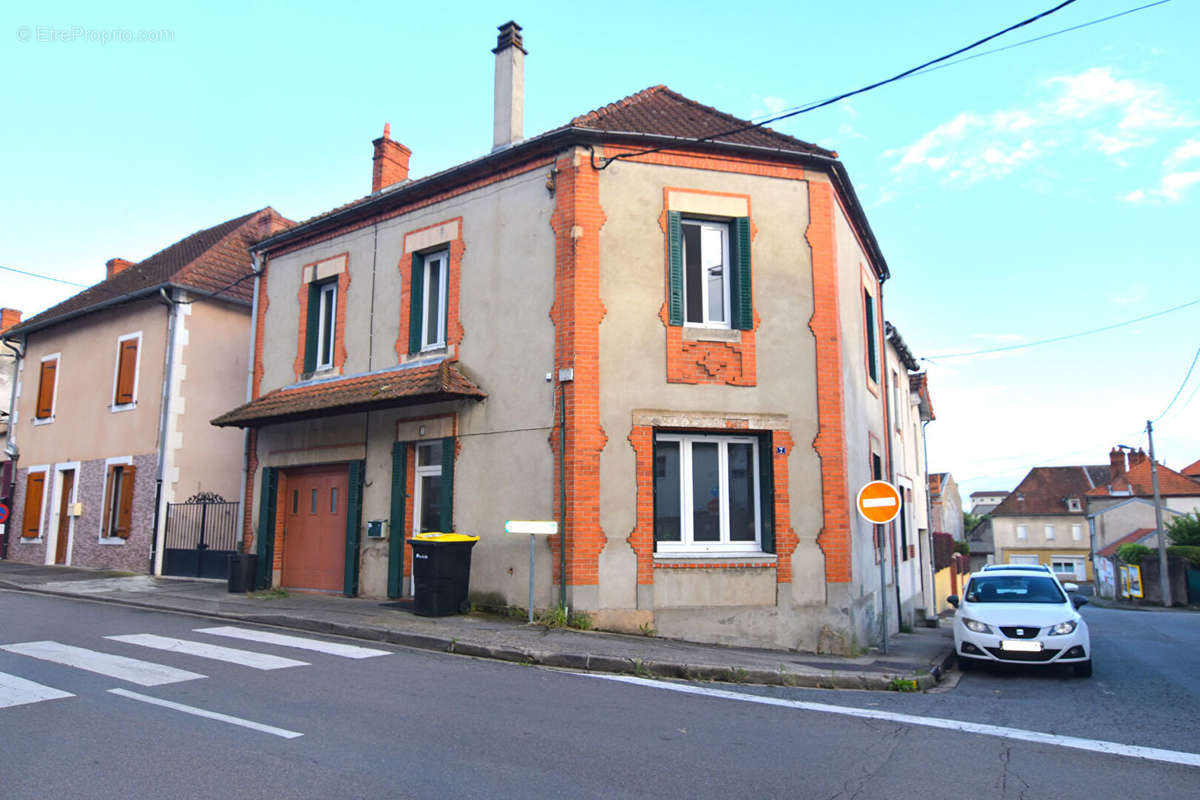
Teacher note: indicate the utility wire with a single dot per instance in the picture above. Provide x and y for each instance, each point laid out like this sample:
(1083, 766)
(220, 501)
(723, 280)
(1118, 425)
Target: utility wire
(1064, 337)
(1179, 391)
(44, 277)
(844, 95)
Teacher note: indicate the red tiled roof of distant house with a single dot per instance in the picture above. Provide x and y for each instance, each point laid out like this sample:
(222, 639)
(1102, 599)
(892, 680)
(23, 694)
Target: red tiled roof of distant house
(1045, 490)
(1138, 481)
(1136, 536)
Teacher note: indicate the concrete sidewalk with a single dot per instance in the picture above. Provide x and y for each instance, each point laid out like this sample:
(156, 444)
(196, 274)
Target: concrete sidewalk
(918, 657)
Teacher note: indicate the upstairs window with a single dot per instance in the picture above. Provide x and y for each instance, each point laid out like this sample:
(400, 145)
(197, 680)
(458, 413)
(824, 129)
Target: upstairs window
(47, 389)
(429, 299)
(125, 379)
(709, 273)
(321, 326)
(872, 354)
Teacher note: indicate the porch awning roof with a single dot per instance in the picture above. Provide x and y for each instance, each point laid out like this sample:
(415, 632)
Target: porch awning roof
(399, 386)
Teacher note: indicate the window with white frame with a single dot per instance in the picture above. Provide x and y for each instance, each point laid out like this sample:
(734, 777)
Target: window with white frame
(433, 302)
(1076, 533)
(1049, 533)
(705, 272)
(1067, 567)
(427, 499)
(326, 323)
(1022, 531)
(707, 494)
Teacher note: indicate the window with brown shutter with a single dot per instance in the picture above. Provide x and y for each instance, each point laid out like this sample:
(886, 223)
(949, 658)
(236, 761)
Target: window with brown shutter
(45, 395)
(118, 501)
(126, 370)
(31, 523)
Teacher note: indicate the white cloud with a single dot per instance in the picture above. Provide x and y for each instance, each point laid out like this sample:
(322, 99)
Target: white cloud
(1185, 152)
(1173, 184)
(1136, 196)
(1094, 110)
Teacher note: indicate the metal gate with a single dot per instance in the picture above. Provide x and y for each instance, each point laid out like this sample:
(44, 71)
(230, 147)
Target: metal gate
(201, 536)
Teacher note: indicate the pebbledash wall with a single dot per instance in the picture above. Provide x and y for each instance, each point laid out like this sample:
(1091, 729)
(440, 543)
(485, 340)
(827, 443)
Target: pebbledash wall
(577, 279)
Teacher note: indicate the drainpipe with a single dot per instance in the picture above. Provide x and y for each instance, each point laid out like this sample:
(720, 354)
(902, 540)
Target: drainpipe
(10, 443)
(256, 264)
(156, 554)
(562, 492)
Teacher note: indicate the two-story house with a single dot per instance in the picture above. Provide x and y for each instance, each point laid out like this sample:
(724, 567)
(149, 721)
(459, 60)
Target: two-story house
(909, 409)
(1044, 520)
(658, 324)
(115, 387)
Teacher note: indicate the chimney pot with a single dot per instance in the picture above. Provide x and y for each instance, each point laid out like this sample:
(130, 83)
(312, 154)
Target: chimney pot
(115, 266)
(1116, 463)
(390, 165)
(8, 318)
(508, 124)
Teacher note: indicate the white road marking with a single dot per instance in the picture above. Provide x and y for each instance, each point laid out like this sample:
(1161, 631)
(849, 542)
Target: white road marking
(879, 502)
(200, 712)
(16, 691)
(299, 642)
(245, 658)
(1036, 737)
(143, 673)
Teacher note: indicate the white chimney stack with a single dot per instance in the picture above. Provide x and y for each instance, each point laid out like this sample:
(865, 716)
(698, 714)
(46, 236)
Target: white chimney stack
(509, 125)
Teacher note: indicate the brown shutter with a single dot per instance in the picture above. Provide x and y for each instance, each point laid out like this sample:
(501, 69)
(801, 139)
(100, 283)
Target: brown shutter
(31, 523)
(45, 395)
(126, 368)
(106, 520)
(125, 508)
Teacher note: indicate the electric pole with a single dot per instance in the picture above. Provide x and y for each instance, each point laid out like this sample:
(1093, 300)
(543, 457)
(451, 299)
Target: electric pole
(1164, 578)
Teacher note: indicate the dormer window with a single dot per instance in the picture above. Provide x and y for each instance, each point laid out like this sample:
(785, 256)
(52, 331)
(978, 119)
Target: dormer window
(1074, 505)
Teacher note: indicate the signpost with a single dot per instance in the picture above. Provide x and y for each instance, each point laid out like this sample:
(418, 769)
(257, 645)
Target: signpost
(878, 502)
(534, 528)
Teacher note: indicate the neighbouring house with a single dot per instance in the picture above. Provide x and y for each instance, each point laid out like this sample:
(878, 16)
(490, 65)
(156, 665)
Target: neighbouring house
(981, 544)
(8, 370)
(946, 505)
(115, 387)
(1192, 470)
(1131, 476)
(982, 503)
(1108, 523)
(1044, 520)
(909, 407)
(656, 324)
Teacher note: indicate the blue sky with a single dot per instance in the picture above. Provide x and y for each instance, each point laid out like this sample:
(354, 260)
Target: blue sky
(1036, 192)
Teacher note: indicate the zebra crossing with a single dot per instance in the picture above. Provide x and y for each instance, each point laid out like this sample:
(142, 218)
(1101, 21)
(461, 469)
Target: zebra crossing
(18, 691)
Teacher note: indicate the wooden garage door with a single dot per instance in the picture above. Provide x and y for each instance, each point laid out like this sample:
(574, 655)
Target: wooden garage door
(314, 534)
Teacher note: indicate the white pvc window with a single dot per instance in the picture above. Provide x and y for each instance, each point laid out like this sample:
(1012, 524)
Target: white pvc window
(706, 494)
(433, 303)
(427, 495)
(326, 324)
(1049, 533)
(1022, 531)
(1076, 533)
(705, 273)
(1067, 567)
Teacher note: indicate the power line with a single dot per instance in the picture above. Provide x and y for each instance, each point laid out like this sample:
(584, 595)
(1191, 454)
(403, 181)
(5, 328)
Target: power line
(844, 95)
(44, 277)
(1064, 337)
(1179, 391)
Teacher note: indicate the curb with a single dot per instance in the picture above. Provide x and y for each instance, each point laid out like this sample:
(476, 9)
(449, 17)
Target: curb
(562, 660)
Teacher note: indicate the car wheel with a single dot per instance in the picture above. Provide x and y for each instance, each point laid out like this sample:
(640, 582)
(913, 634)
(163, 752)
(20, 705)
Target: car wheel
(1083, 669)
(965, 664)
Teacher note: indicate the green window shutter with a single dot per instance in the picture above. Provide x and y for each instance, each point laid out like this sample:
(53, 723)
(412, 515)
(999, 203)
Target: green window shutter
(674, 269)
(416, 306)
(740, 293)
(396, 523)
(353, 527)
(447, 484)
(766, 491)
(266, 527)
(869, 312)
(311, 326)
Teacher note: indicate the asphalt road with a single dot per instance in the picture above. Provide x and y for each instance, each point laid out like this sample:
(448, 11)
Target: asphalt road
(419, 724)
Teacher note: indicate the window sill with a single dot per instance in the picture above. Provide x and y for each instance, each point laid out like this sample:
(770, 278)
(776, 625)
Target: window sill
(43, 420)
(112, 540)
(714, 560)
(24, 540)
(700, 333)
(123, 407)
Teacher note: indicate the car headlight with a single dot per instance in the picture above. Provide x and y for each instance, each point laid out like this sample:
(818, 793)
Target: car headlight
(1063, 628)
(976, 626)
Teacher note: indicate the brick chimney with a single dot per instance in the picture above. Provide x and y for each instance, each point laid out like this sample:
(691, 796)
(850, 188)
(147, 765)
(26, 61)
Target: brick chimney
(508, 125)
(116, 265)
(8, 318)
(1116, 463)
(391, 161)
(1137, 458)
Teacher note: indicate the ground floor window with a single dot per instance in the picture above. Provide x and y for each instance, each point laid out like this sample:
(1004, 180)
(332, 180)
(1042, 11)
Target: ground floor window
(427, 500)
(707, 493)
(1066, 567)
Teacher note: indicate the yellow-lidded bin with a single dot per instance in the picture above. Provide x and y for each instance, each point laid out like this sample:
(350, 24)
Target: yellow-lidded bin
(441, 572)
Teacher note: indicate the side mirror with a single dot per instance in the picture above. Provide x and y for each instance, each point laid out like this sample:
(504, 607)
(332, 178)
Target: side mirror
(953, 600)
(1071, 587)
(1078, 600)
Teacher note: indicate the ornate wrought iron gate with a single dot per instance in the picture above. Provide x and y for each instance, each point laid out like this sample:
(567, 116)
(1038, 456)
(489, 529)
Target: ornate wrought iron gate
(201, 535)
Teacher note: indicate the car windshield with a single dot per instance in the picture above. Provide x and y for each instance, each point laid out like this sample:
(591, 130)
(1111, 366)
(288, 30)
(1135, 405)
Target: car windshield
(1014, 589)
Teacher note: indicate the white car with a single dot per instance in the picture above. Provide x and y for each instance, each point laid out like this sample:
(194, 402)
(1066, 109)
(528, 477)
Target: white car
(1020, 616)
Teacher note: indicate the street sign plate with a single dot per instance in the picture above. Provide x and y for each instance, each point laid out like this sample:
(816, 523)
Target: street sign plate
(878, 502)
(531, 526)
(3, 513)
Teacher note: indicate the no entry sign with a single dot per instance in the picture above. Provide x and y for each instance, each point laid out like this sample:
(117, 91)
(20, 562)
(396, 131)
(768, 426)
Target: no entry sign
(3, 513)
(878, 502)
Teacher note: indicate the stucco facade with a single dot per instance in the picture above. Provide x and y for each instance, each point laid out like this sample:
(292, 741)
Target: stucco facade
(1049, 538)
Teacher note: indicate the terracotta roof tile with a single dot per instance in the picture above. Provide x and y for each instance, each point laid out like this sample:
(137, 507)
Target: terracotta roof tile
(1192, 470)
(1138, 481)
(1045, 490)
(660, 111)
(1136, 536)
(405, 385)
(207, 260)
